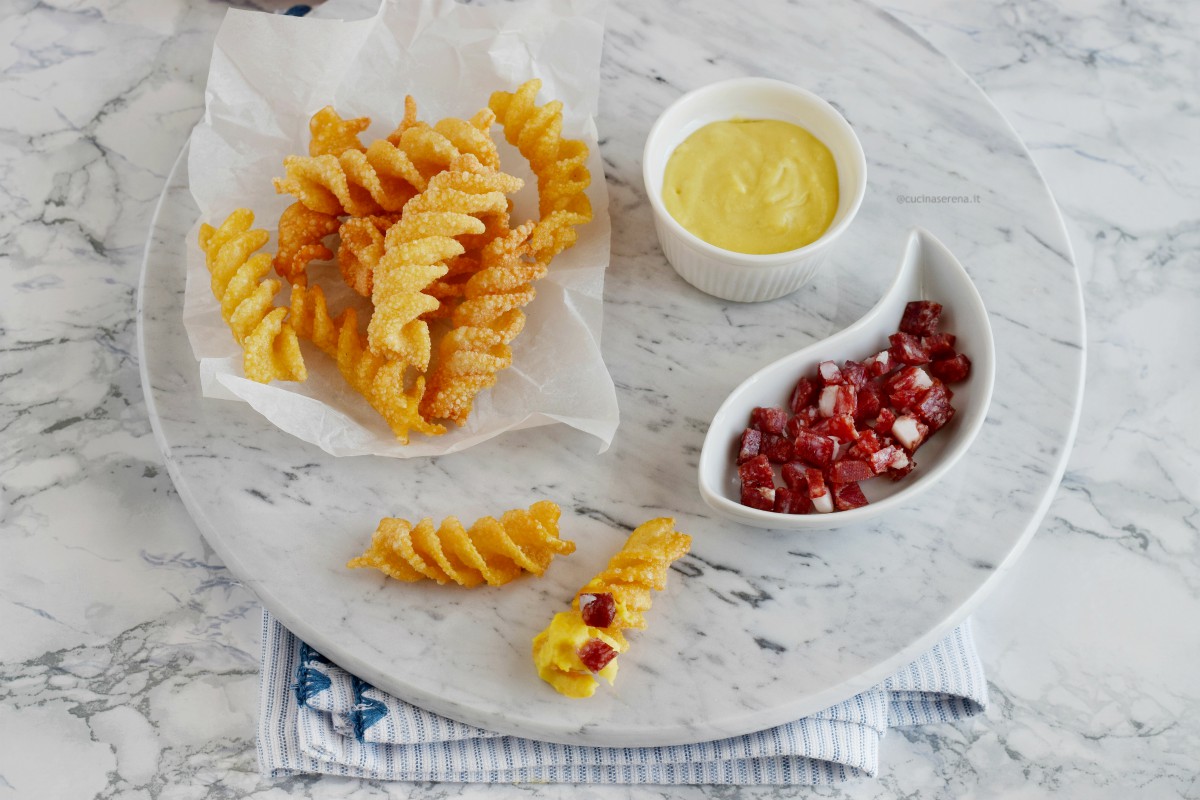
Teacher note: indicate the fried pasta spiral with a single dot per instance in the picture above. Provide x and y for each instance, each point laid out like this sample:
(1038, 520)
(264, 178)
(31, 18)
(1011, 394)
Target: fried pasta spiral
(490, 551)
(637, 568)
(301, 231)
(485, 321)
(269, 344)
(389, 172)
(559, 164)
(417, 247)
(584, 642)
(380, 381)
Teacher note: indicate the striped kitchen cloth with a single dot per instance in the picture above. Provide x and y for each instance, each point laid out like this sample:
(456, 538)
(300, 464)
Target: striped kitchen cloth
(316, 718)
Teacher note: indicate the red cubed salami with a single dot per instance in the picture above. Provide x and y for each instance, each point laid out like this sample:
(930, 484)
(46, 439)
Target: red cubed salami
(808, 416)
(879, 364)
(951, 370)
(813, 449)
(598, 610)
(818, 492)
(757, 472)
(751, 444)
(768, 420)
(850, 470)
(794, 426)
(760, 497)
(906, 386)
(883, 425)
(909, 431)
(866, 444)
(890, 457)
(921, 317)
(830, 372)
(837, 400)
(854, 373)
(840, 427)
(847, 496)
(934, 407)
(908, 349)
(793, 476)
(896, 473)
(868, 402)
(596, 654)
(788, 501)
(804, 393)
(939, 345)
(777, 449)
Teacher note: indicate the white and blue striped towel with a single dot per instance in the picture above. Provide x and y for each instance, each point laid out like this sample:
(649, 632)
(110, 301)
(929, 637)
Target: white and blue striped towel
(316, 718)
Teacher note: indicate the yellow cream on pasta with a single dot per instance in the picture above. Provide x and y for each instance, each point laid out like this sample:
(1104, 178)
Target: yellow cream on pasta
(556, 655)
(752, 185)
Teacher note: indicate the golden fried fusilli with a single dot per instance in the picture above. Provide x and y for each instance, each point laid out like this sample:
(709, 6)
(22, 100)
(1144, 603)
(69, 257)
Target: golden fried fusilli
(380, 381)
(270, 348)
(490, 551)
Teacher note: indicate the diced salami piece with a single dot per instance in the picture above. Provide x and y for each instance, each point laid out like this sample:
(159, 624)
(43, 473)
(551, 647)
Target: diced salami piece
(841, 428)
(813, 449)
(868, 402)
(757, 472)
(883, 425)
(866, 444)
(908, 349)
(759, 497)
(837, 400)
(598, 610)
(939, 345)
(751, 445)
(897, 473)
(768, 420)
(934, 406)
(818, 492)
(793, 476)
(808, 416)
(804, 393)
(815, 479)
(847, 496)
(777, 449)
(906, 386)
(886, 458)
(854, 373)
(793, 427)
(921, 317)
(596, 654)
(951, 370)
(850, 470)
(830, 372)
(909, 432)
(879, 364)
(788, 501)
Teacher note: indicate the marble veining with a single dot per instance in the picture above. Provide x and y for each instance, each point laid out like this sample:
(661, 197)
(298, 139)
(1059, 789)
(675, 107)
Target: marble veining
(128, 650)
(750, 640)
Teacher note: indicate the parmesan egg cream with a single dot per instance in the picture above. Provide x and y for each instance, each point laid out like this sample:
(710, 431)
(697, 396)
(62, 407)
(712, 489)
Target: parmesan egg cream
(752, 185)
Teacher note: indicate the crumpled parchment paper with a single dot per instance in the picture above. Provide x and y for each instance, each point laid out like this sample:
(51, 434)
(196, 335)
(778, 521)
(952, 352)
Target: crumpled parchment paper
(270, 73)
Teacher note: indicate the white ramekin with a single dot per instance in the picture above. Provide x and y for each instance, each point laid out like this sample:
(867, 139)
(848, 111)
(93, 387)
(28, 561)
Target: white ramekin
(744, 277)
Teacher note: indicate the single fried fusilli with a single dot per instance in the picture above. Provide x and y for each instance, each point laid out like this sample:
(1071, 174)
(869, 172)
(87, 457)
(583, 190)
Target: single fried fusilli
(270, 348)
(490, 551)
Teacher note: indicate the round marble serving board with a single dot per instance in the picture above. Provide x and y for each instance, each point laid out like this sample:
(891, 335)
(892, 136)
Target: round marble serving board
(755, 627)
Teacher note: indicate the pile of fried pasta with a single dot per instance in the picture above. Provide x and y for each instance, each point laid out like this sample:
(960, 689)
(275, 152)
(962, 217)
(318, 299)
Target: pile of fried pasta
(424, 232)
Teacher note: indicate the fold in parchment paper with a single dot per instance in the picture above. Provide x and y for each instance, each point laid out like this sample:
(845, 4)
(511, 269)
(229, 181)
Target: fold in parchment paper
(270, 73)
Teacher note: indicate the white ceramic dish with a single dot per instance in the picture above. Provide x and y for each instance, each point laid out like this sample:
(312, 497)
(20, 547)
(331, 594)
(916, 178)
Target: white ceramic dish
(745, 277)
(928, 271)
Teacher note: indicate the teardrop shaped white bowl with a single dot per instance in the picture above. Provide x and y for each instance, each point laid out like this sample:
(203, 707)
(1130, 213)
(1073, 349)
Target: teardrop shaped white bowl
(928, 271)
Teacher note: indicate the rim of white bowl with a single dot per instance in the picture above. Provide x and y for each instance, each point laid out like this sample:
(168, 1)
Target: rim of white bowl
(752, 260)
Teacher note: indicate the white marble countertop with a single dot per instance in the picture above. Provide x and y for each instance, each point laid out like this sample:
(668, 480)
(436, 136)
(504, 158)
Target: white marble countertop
(129, 653)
